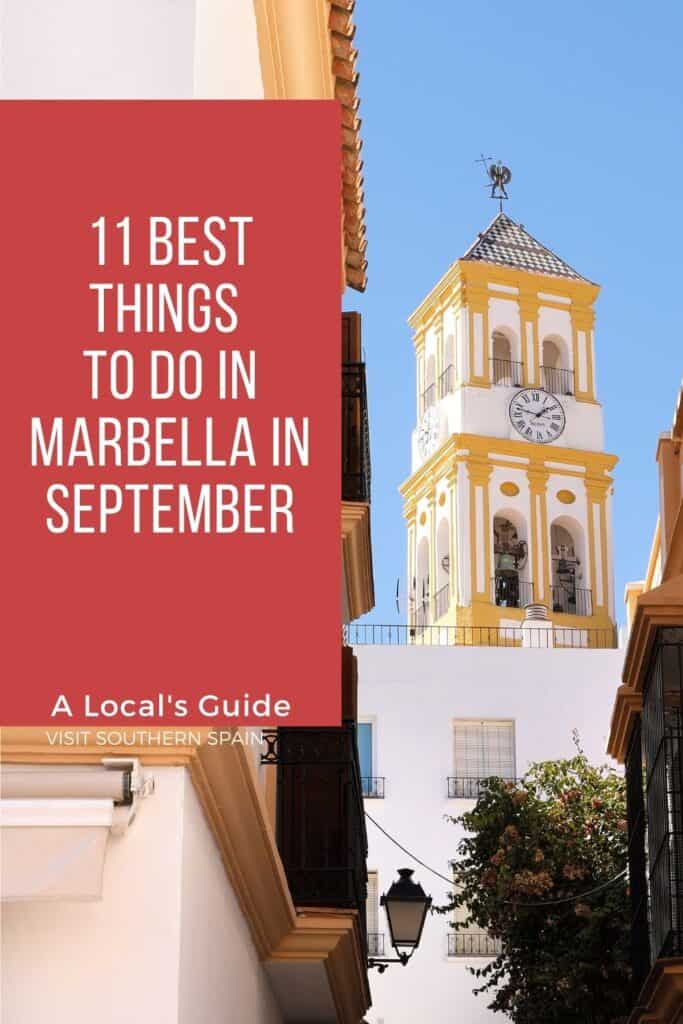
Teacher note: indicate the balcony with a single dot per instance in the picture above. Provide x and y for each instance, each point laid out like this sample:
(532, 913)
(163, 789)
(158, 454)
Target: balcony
(570, 600)
(506, 373)
(372, 787)
(375, 943)
(557, 381)
(466, 943)
(469, 788)
(421, 633)
(320, 819)
(427, 399)
(356, 472)
(509, 591)
(447, 381)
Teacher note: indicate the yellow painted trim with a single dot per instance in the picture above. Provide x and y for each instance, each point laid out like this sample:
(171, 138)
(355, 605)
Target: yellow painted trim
(458, 447)
(655, 553)
(471, 272)
(357, 557)
(509, 489)
(479, 473)
(295, 49)
(661, 997)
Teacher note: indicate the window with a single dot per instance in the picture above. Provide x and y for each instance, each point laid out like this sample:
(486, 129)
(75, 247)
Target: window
(375, 937)
(469, 939)
(482, 749)
(365, 748)
(372, 786)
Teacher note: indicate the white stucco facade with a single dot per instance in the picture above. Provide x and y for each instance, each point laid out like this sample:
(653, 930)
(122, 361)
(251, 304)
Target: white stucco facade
(168, 941)
(129, 49)
(413, 696)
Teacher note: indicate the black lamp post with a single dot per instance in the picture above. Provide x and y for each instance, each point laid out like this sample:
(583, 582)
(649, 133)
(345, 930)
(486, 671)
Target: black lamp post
(406, 906)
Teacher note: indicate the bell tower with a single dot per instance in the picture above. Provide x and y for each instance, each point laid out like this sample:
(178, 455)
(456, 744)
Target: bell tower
(508, 502)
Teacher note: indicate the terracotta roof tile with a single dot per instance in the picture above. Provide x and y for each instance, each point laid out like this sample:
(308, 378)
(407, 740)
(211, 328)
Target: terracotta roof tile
(342, 30)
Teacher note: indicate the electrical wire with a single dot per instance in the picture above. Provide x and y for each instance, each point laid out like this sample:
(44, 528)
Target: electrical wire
(516, 903)
(570, 899)
(411, 855)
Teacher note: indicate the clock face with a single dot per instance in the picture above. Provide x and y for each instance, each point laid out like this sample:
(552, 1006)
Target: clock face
(537, 415)
(428, 434)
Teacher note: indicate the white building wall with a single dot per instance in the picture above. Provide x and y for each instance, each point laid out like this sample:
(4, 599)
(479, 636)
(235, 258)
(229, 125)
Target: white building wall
(167, 943)
(129, 49)
(413, 695)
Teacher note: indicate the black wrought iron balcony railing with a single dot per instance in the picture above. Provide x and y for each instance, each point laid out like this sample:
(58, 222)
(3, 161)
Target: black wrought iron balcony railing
(469, 787)
(557, 380)
(356, 469)
(376, 943)
(507, 373)
(320, 821)
(571, 600)
(466, 943)
(637, 859)
(662, 743)
(447, 381)
(420, 632)
(509, 591)
(427, 398)
(372, 787)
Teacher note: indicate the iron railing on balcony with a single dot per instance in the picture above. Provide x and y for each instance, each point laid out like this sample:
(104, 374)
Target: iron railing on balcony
(571, 600)
(469, 788)
(509, 591)
(441, 602)
(427, 398)
(423, 634)
(376, 943)
(447, 381)
(557, 381)
(662, 741)
(467, 943)
(356, 470)
(507, 372)
(372, 787)
(320, 818)
(361, 634)
(637, 859)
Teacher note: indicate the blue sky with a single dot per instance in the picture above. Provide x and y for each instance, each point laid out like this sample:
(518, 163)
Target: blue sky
(584, 103)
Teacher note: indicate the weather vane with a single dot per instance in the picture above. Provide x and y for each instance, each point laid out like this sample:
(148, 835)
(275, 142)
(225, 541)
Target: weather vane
(499, 176)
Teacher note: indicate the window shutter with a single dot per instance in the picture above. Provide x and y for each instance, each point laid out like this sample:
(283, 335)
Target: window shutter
(372, 906)
(483, 749)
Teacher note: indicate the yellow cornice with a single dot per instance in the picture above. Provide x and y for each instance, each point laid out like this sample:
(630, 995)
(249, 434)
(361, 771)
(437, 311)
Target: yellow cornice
(462, 275)
(655, 609)
(627, 704)
(461, 447)
(295, 49)
(661, 997)
(357, 557)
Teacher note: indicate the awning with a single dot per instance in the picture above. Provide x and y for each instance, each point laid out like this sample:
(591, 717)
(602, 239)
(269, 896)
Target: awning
(55, 822)
(53, 849)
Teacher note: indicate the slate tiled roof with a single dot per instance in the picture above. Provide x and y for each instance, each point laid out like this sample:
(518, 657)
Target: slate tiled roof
(508, 245)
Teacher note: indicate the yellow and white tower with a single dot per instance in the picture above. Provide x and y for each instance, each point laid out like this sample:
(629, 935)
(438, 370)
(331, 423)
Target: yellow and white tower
(508, 502)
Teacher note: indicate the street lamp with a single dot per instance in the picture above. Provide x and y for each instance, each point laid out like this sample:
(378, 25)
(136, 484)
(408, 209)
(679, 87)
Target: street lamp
(406, 906)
